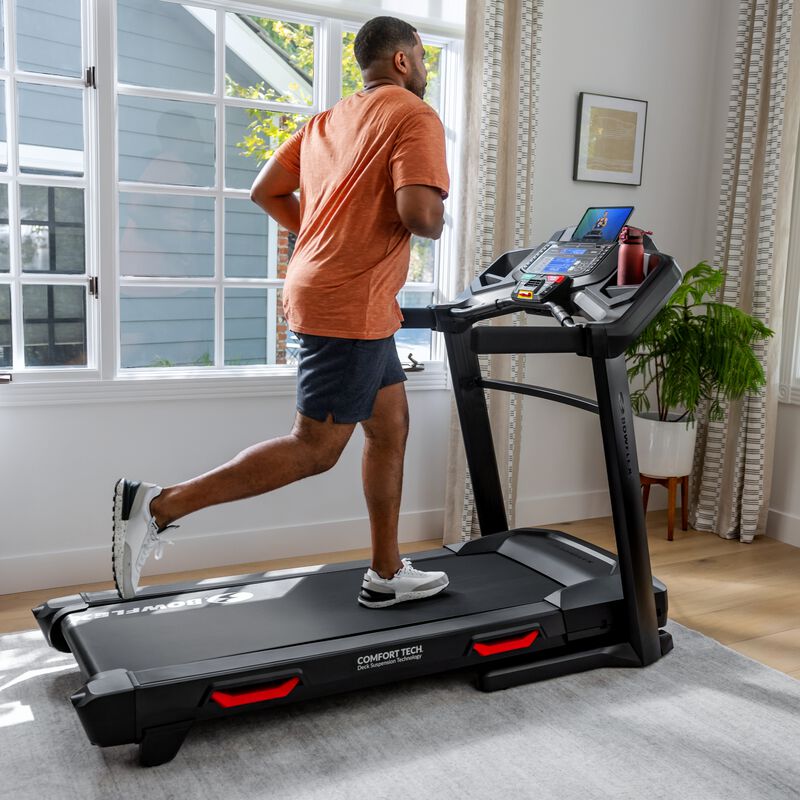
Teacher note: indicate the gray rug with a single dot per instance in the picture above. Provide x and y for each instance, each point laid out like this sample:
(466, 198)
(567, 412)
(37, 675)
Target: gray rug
(704, 722)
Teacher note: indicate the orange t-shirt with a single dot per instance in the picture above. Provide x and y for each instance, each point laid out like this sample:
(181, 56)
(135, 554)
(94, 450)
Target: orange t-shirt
(352, 252)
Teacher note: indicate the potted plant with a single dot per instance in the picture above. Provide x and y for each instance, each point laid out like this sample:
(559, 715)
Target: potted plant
(694, 350)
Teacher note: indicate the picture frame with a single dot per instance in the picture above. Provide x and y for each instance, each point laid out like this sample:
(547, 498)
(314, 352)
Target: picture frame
(609, 139)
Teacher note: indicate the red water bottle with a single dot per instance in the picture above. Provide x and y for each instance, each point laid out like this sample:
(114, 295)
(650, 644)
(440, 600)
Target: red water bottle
(630, 259)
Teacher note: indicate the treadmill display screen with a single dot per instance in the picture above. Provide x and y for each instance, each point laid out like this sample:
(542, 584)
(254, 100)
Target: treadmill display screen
(558, 265)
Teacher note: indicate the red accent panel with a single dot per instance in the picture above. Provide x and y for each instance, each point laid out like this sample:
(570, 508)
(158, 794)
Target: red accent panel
(233, 699)
(506, 645)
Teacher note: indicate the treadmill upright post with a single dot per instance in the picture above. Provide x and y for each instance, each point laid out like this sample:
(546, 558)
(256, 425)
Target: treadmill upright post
(619, 445)
(476, 431)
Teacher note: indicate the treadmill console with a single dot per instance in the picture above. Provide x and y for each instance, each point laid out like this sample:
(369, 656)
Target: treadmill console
(572, 279)
(550, 271)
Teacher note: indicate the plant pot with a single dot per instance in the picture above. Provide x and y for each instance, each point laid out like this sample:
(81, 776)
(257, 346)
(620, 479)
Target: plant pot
(664, 449)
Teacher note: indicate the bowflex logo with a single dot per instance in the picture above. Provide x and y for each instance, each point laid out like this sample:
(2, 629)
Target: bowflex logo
(230, 597)
(622, 405)
(174, 605)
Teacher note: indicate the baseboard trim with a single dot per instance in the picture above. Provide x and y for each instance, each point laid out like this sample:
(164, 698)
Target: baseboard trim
(783, 527)
(573, 506)
(93, 564)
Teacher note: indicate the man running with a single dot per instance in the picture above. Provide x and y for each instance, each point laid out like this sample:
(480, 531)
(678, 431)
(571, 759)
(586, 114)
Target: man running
(371, 171)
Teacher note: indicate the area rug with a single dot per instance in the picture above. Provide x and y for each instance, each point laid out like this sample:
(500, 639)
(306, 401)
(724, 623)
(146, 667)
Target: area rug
(705, 722)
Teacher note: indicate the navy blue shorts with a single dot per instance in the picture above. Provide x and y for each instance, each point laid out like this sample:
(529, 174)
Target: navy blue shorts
(342, 377)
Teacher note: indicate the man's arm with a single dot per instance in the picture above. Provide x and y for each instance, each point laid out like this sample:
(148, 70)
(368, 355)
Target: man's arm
(274, 191)
(421, 210)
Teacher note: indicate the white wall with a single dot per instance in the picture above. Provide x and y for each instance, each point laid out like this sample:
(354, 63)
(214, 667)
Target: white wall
(678, 57)
(783, 522)
(59, 462)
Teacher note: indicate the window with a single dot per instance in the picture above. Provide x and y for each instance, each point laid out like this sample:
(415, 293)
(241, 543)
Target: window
(191, 271)
(789, 390)
(45, 318)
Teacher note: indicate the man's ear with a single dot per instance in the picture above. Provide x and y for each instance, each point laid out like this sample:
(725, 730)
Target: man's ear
(401, 61)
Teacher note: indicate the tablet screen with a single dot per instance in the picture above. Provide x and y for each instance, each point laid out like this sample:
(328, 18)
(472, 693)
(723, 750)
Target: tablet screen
(602, 224)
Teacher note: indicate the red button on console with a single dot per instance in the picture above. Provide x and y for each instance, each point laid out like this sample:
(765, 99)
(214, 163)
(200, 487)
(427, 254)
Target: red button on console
(555, 278)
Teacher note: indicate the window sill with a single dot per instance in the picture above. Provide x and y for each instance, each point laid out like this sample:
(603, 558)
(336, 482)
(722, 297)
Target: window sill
(190, 386)
(788, 393)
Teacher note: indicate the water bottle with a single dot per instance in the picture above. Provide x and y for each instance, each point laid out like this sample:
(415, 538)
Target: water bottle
(630, 259)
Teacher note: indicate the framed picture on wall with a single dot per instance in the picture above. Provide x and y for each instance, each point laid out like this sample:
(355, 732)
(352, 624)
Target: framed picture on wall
(609, 139)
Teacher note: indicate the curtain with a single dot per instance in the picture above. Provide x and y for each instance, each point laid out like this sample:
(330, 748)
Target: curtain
(502, 58)
(733, 457)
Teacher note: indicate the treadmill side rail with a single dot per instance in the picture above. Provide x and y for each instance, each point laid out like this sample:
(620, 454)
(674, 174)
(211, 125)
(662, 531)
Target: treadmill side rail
(614, 655)
(51, 614)
(106, 705)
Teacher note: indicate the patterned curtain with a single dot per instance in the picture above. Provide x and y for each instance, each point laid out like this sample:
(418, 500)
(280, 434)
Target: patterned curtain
(502, 58)
(733, 457)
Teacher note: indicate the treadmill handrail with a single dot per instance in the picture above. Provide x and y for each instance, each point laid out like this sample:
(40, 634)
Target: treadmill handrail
(509, 339)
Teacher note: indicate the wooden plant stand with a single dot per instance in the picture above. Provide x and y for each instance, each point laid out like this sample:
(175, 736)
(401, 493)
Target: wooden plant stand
(672, 487)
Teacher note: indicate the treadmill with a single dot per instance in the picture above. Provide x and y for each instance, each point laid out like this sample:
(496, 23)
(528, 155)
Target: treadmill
(523, 605)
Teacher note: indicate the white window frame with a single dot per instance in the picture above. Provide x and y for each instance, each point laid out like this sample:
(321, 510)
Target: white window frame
(103, 379)
(789, 388)
(219, 194)
(13, 178)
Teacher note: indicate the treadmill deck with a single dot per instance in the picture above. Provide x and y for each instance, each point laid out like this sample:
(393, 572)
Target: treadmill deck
(156, 632)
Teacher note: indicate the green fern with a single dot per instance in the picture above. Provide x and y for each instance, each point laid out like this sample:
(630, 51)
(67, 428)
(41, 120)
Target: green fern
(696, 350)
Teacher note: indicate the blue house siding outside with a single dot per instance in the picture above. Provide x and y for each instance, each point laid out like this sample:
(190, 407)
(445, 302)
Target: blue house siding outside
(171, 142)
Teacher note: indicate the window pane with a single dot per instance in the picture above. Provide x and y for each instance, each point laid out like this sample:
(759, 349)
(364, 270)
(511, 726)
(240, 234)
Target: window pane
(251, 137)
(246, 241)
(166, 45)
(166, 235)
(3, 135)
(433, 92)
(255, 329)
(49, 36)
(166, 141)
(416, 341)
(351, 73)
(269, 59)
(4, 229)
(54, 319)
(52, 229)
(5, 326)
(246, 325)
(2, 35)
(50, 129)
(423, 260)
(167, 327)
(287, 345)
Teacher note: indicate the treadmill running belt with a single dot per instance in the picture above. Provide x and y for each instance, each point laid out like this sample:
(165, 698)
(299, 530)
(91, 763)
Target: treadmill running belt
(180, 628)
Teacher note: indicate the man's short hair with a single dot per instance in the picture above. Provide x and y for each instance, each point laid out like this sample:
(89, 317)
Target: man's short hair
(382, 37)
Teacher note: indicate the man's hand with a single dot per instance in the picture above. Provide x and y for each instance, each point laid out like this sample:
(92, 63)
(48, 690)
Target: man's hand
(421, 210)
(274, 190)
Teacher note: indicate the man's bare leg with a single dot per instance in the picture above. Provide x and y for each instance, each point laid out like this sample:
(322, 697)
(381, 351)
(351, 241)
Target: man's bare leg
(386, 432)
(312, 447)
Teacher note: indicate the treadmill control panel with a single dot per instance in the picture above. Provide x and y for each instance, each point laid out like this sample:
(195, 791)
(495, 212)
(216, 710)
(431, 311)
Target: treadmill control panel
(572, 280)
(547, 274)
(566, 258)
(536, 289)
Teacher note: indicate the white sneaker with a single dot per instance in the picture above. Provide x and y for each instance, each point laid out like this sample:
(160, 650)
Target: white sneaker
(135, 533)
(406, 584)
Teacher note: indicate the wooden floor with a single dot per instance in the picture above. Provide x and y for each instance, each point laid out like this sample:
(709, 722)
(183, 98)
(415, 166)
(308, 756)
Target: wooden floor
(745, 596)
